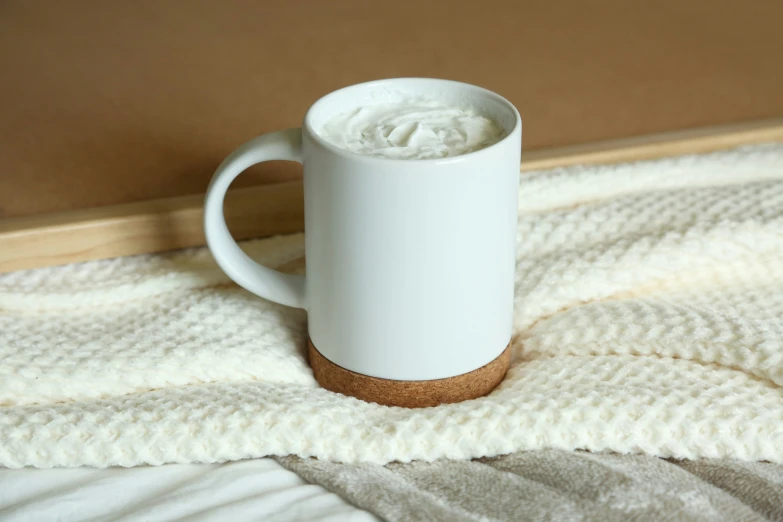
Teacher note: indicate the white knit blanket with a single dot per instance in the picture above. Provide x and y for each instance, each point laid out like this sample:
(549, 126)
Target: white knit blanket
(648, 319)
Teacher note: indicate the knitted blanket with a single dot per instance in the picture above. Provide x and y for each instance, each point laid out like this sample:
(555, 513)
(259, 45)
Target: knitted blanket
(648, 319)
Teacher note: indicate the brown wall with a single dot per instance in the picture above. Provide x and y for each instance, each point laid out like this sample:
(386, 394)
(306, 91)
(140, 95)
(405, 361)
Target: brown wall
(103, 101)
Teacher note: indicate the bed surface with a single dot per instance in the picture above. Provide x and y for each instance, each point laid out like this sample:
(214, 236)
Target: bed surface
(258, 489)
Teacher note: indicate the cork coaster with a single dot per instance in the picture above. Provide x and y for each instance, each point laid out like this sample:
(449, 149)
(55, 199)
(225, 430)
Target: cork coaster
(409, 394)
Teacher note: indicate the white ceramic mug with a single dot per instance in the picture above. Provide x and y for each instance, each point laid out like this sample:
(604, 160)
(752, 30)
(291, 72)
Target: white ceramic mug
(409, 263)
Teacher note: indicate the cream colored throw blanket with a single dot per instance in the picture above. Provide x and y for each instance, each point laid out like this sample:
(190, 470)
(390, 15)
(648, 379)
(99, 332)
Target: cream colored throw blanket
(649, 318)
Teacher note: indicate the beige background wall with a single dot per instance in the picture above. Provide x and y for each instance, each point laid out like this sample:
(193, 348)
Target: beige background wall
(108, 101)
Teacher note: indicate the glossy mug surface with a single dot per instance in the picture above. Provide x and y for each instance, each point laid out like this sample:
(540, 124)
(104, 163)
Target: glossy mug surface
(409, 263)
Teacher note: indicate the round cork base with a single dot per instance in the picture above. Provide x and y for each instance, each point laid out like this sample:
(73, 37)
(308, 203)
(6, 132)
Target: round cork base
(409, 394)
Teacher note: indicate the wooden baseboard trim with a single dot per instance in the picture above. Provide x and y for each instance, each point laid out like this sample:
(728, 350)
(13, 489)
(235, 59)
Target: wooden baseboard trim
(145, 227)
(639, 148)
(173, 223)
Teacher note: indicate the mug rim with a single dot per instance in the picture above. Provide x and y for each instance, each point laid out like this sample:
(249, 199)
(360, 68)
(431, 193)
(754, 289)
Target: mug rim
(308, 122)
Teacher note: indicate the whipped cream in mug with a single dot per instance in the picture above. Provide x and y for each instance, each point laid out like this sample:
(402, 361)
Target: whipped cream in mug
(413, 129)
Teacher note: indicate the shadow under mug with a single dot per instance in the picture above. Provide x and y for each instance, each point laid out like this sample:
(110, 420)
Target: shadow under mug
(410, 264)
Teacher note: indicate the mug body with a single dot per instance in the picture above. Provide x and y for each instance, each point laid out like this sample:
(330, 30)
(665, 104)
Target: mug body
(410, 263)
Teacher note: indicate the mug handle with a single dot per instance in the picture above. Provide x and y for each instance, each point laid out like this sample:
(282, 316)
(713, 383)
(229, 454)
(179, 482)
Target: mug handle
(270, 284)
